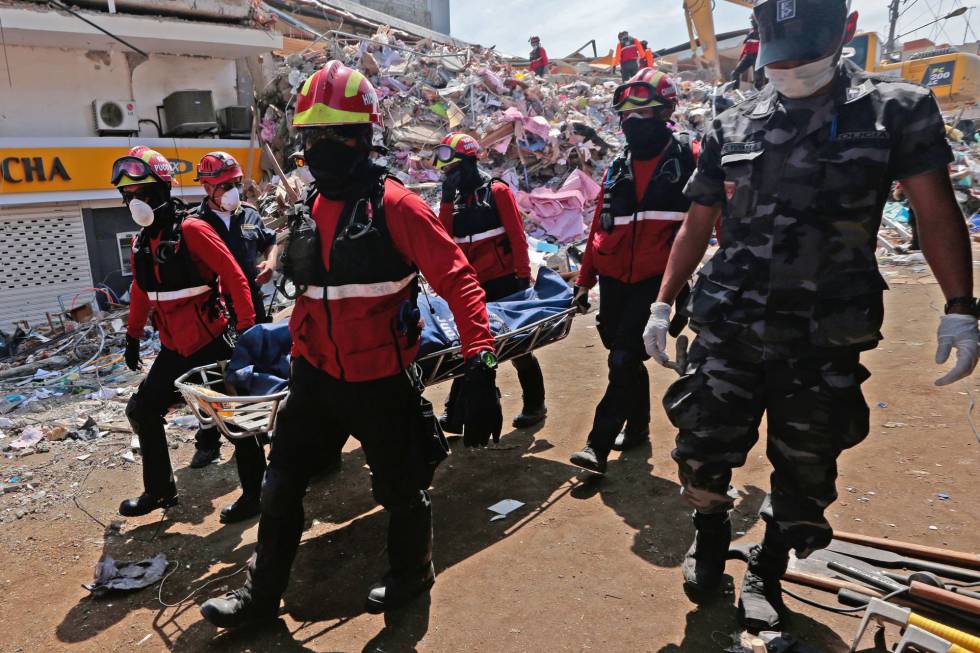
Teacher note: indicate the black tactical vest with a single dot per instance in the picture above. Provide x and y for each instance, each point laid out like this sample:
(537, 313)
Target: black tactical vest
(478, 217)
(173, 261)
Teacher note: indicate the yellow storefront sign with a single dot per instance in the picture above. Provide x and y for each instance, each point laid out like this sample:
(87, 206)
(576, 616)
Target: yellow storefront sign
(51, 170)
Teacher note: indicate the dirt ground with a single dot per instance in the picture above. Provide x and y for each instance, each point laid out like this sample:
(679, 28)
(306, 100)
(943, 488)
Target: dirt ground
(585, 565)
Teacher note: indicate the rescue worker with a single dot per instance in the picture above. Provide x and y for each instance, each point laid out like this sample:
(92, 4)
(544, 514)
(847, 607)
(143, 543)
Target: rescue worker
(630, 55)
(241, 228)
(354, 336)
(784, 309)
(177, 262)
(539, 58)
(747, 59)
(640, 209)
(648, 58)
(481, 215)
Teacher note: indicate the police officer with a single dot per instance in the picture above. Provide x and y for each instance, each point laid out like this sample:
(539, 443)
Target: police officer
(241, 228)
(800, 174)
(177, 262)
(481, 215)
(352, 344)
(640, 209)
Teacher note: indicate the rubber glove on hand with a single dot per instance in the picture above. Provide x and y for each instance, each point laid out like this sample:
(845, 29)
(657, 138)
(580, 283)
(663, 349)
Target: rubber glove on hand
(483, 416)
(655, 335)
(959, 332)
(132, 355)
(581, 300)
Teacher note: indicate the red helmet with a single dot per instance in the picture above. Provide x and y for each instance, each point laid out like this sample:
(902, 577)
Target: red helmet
(647, 88)
(141, 165)
(336, 95)
(534, 39)
(217, 168)
(456, 146)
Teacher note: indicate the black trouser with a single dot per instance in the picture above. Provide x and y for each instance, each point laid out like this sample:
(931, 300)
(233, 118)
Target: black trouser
(629, 68)
(155, 396)
(383, 415)
(624, 309)
(210, 439)
(527, 366)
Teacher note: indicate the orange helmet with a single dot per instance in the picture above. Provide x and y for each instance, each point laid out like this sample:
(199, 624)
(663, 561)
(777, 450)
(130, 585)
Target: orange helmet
(456, 146)
(336, 95)
(647, 88)
(217, 168)
(141, 165)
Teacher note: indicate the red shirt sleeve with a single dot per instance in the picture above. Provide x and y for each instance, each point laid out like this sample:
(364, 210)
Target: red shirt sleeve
(619, 54)
(510, 218)
(420, 237)
(139, 308)
(208, 248)
(587, 276)
(446, 216)
(544, 58)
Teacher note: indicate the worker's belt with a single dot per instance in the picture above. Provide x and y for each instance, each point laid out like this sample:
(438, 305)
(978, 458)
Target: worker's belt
(668, 216)
(360, 290)
(171, 295)
(483, 235)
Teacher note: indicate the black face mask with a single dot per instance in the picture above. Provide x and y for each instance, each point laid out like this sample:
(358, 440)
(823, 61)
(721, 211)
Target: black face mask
(336, 167)
(470, 176)
(646, 137)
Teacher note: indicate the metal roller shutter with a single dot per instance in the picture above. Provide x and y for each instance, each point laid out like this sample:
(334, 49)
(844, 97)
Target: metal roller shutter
(42, 256)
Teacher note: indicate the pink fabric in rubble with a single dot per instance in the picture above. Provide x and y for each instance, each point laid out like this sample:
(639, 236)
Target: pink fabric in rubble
(562, 213)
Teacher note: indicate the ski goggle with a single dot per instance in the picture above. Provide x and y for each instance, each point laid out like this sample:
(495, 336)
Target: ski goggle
(640, 94)
(133, 167)
(444, 154)
(313, 137)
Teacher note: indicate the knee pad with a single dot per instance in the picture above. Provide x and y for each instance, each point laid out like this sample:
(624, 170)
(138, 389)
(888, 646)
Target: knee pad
(623, 365)
(400, 498)
(139, 413)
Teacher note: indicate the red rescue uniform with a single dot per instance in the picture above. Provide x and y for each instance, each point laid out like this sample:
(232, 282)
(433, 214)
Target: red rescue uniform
(632, 52)
(350, 335)
(186, 319)
(502, 253)
(539, 60)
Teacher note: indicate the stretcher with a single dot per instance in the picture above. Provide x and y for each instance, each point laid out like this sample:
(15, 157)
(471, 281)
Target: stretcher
(204, 388)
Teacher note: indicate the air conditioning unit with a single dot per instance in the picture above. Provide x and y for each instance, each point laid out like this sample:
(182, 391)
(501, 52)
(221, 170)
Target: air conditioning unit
(115, 117)
(189, 113)
(235, 121)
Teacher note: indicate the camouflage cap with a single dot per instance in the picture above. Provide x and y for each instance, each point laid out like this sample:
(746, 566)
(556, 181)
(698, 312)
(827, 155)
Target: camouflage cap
(799, 30)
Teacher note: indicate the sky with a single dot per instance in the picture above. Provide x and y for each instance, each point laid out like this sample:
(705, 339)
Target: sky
(564, 25)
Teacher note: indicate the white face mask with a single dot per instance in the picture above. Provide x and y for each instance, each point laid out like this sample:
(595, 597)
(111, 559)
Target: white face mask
(803, 81)
(230, 200)
(141, 211)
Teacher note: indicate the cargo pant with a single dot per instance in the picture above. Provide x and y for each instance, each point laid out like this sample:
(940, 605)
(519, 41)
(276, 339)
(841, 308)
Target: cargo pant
(815, 410)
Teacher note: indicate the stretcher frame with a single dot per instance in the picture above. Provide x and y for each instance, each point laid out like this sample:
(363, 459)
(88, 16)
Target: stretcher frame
(238, 416)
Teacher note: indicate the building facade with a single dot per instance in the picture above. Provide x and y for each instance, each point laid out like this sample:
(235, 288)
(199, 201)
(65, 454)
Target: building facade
(73, 99)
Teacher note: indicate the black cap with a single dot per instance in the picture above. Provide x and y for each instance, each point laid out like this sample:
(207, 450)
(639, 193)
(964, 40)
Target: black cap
(800, 30)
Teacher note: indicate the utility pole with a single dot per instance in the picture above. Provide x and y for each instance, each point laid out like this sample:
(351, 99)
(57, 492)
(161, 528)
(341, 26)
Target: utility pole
(892, 24)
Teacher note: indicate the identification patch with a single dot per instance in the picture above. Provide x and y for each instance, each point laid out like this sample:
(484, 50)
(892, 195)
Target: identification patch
(871, 135)
(730, 188)
(741, 148)
(785, 10)
(249, 227)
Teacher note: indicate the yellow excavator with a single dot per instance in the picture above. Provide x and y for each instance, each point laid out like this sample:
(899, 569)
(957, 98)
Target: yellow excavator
(953, 76)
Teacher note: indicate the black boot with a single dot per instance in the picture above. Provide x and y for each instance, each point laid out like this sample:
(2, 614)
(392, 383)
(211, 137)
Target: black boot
(244, 508)
(144, 504)
(241, 607)
(530, 416)
(704, 564)
(590, 459)
(452, 419)
(395, 590)
(204, 457)
(760, 602)
(626, 440)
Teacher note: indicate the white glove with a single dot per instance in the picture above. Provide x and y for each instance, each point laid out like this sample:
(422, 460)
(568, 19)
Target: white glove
(655, 335)
(959, 331)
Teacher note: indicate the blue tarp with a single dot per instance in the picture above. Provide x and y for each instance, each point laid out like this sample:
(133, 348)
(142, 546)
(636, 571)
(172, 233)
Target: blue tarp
(260, 362)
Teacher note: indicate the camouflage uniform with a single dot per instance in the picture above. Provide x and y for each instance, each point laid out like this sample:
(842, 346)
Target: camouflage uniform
(785, 307)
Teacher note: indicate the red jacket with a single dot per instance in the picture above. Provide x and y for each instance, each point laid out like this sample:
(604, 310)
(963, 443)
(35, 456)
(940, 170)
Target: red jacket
(187, 323)
(498, 255)
(356, 341)
(631, 52)
(633, 251)
(539, 59)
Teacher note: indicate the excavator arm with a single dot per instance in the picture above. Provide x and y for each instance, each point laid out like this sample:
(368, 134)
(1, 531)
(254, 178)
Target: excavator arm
(701, 26)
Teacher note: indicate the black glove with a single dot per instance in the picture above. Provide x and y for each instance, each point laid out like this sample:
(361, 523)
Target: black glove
(483, 416)
(132, 355)
(581, 300)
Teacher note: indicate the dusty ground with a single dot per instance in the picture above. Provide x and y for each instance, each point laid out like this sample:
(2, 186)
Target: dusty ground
(584, 566)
